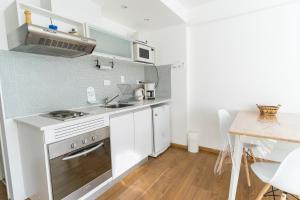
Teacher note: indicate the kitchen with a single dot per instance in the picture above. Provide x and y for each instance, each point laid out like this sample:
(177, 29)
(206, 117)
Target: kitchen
(119, 99)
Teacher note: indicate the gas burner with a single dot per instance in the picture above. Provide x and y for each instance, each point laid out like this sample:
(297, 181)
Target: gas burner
(64, 115)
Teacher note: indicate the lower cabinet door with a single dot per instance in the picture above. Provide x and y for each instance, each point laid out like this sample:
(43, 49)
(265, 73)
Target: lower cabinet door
(143, 133)
(122, 143)
(131, 139)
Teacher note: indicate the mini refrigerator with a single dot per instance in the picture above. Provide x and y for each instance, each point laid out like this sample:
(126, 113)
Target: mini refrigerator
(161, 129)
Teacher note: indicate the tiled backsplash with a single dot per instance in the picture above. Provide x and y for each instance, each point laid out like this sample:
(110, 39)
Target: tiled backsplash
(164, 81)
(35, 84)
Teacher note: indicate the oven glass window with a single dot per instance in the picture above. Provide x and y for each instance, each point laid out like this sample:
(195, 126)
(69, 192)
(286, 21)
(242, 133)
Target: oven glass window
(69, 175)
(144, 53)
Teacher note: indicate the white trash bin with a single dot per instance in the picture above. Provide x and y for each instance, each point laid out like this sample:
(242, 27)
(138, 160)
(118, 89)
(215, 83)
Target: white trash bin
(193, 146)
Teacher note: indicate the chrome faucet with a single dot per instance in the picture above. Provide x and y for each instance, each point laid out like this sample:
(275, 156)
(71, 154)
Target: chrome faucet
(107, 100)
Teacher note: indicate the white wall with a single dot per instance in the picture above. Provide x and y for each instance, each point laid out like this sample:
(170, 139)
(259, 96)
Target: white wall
(237, 62)
(3, 40)
(219, 9)
(170, 44)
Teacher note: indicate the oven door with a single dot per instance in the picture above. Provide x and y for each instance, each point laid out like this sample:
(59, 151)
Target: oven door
(143, 53)
(76, 173)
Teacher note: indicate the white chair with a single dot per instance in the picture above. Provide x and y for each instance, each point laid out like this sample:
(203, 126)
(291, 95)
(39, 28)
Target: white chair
(225, 121)
(284, 176)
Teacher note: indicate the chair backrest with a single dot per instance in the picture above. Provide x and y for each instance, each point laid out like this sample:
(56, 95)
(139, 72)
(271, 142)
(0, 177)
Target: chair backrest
(287, 177)
(224, 125)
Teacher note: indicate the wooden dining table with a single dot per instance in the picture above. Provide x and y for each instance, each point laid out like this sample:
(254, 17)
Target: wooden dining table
(249, 127)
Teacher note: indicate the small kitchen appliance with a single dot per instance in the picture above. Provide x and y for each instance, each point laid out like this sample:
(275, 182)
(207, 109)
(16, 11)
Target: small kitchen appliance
(161, 129)
(139, 94)
(143, 53)
(149, 90)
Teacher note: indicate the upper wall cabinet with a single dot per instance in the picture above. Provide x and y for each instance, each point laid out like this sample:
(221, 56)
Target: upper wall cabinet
(110, 44)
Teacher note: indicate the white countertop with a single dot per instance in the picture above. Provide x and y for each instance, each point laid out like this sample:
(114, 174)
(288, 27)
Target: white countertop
(43, 123)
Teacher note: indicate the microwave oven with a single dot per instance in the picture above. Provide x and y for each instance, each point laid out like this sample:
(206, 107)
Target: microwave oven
(143, 53)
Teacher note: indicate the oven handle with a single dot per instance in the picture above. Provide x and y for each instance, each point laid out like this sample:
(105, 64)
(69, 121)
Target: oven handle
(83, 152)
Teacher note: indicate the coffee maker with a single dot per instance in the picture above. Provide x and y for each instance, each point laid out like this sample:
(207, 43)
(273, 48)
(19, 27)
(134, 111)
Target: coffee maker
(149, 90)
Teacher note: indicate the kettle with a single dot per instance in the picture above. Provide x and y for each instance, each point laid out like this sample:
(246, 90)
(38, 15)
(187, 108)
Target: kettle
(139, 94)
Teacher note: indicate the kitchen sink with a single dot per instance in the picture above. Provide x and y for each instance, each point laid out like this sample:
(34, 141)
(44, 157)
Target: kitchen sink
(120, 105)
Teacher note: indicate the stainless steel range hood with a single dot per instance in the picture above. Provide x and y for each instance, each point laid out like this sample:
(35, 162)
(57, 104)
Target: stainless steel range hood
(40, 40)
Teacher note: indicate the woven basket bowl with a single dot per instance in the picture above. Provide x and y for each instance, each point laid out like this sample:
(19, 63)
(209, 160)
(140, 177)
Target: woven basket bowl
(268, 110)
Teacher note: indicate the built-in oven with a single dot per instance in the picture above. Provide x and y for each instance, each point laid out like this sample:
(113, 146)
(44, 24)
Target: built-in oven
(143, 53)
(79, 164)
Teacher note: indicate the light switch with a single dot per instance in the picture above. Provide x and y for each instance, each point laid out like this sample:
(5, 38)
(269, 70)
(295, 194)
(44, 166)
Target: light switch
(122, 79)
(106, 82)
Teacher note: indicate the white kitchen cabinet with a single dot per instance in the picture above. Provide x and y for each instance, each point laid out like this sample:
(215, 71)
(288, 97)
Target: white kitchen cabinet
(131, 139)
(110, 44)
(122, 143)
(143, 133)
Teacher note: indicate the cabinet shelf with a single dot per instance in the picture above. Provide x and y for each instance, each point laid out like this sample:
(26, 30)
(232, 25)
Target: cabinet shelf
(120, 60)
(109, 56)
(41, 16)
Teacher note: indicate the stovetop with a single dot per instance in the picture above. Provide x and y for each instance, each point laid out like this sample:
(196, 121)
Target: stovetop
(65, 115)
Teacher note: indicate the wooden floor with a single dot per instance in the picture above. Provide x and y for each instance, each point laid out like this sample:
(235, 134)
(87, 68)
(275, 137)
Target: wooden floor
(180, 175)
(3, 195)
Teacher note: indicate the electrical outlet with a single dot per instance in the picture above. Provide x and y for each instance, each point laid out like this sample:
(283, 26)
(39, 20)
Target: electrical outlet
(122, 79)
(106, 82)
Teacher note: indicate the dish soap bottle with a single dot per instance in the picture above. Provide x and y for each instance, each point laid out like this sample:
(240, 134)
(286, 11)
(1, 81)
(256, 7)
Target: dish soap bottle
(27, 17)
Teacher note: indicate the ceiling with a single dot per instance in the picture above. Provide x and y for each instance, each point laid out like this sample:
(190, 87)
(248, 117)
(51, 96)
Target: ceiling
(140, 14)
(190, 4)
